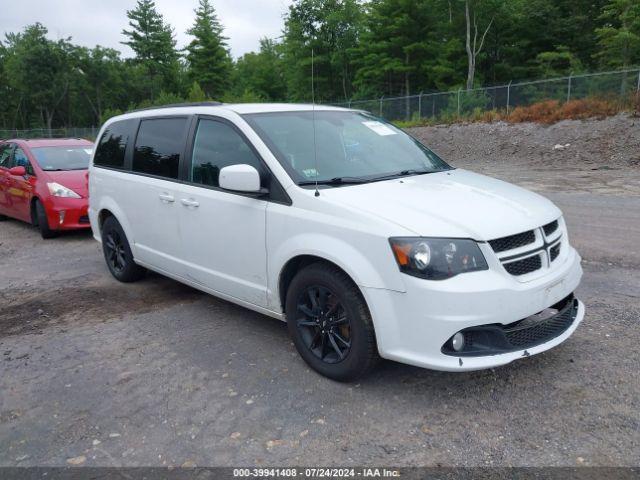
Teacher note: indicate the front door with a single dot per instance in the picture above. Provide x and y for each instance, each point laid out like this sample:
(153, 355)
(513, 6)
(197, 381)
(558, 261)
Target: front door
(20, 188)
(5, 179)
(223, 233)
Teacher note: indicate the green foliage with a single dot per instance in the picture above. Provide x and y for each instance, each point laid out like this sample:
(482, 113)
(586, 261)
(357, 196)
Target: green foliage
(152, 41)
(261, 73)
(619, 37)
(363, 49)
(558, 63)
(329, 28)
(207, 55)
(196, 94)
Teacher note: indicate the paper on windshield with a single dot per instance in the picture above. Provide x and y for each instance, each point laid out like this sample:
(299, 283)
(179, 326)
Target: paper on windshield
(380, 128)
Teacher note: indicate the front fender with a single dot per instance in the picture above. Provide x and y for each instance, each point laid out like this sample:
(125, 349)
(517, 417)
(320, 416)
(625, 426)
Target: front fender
(362, 270)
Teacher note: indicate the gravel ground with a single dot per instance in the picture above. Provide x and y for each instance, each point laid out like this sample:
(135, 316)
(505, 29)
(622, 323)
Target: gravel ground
(93, 372)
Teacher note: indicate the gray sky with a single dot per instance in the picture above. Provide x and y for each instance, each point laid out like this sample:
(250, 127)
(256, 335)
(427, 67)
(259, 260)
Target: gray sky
(100, 22)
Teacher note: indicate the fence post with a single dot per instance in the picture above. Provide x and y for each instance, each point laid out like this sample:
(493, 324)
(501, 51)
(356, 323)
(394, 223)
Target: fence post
(508, 96)
(459, 90)
(638, 86)
(569, 87)
(381, 105)
(420, 107)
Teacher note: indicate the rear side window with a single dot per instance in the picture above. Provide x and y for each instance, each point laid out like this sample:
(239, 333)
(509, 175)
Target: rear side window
(158, 147)
(111, 148)
(216, 146)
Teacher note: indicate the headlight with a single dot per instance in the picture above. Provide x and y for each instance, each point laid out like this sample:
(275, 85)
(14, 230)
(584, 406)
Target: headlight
(437, 258)
(58, 190)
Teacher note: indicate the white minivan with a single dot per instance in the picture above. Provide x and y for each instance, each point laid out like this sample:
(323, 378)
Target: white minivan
(358, 236)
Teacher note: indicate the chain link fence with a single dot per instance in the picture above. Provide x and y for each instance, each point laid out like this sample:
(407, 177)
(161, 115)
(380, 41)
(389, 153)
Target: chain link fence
(620, 85)
(88, 133)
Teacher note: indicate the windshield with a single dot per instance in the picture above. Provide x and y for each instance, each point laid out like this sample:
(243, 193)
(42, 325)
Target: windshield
(63, 158)
(352, 147)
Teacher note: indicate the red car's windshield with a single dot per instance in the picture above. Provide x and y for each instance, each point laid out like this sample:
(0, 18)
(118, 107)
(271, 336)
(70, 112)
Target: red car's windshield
(63, 158)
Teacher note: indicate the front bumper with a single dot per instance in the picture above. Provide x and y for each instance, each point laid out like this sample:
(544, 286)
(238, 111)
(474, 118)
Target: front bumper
(67, 213)
(412, 327)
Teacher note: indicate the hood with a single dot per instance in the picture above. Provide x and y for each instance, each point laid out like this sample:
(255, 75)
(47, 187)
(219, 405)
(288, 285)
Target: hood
(76, 180)
(455, 203)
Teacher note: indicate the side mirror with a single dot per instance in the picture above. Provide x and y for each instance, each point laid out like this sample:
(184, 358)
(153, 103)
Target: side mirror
(18, 171)
(240, 178)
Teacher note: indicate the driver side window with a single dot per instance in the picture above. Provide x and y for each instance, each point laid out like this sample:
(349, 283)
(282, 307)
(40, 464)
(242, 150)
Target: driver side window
(217, 145)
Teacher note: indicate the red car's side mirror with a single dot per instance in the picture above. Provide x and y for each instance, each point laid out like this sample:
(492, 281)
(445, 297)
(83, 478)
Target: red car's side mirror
(18, 171)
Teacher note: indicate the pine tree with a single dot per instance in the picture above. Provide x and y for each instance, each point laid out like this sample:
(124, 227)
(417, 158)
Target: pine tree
(152, 41)
(208, 56)
(619, 38)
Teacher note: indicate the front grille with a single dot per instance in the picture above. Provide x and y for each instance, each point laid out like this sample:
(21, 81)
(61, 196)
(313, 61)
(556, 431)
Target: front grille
(513, 241)
(495, 339)
(550, 228)
(522, 267)
(83, 219)
(554, 252)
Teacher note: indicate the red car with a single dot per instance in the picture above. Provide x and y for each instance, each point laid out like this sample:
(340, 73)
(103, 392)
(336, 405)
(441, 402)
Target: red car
(44, 182)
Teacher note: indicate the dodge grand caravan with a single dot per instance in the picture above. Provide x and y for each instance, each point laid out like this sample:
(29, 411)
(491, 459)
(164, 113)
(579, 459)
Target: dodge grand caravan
(358, 236)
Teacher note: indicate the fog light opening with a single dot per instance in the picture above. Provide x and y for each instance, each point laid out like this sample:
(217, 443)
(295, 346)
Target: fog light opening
(457, 342)
(62, 214)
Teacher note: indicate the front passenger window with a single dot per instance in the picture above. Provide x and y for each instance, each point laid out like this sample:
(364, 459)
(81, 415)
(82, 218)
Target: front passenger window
(217, 145)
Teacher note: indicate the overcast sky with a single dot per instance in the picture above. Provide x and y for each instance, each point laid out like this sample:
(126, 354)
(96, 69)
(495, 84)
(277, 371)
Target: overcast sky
(100, 22)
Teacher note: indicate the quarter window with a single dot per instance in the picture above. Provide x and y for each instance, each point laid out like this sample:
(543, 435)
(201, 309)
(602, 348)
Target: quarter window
(158, 147)
(216, 146)
(111, 148)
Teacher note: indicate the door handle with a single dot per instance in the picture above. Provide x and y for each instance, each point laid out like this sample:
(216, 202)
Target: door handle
(190, 203)
(165, 197)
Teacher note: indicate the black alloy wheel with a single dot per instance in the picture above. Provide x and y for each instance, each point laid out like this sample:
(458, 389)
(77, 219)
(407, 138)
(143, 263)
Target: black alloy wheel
(324, 324)
(330, 323)
(115, 251)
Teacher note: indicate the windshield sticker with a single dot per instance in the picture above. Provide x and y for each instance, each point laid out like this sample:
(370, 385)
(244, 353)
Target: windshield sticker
(88, 150)
(380, 128)
(310, 172)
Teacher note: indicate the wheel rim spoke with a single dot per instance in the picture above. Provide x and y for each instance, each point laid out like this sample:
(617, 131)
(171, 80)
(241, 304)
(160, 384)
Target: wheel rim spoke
(335, 346)
(341, 340)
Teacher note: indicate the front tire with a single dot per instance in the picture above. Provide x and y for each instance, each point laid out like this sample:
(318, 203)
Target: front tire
(330, 323)
(43, 222)
(117, 253)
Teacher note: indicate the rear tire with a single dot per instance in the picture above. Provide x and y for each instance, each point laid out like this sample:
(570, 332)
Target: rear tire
(117, 253)
(43, 223)
(3, 218)
(330, 323)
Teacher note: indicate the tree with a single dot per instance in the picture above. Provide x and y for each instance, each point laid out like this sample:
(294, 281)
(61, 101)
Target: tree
(261, 73)
(472, 46)
(619, 38)
(152, 41)
(401, 44)
(331, 29)
(208, 55)
(40, 72)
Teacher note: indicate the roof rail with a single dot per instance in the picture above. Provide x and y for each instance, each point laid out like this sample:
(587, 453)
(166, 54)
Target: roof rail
(178, 105)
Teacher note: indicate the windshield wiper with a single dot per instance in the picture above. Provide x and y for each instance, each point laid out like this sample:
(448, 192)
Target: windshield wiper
(403, 173)
(336, 181)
